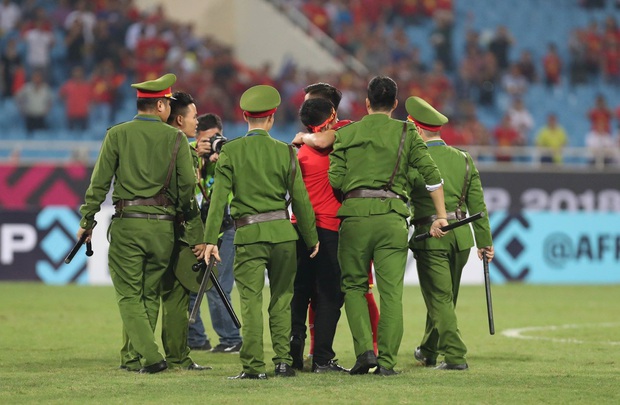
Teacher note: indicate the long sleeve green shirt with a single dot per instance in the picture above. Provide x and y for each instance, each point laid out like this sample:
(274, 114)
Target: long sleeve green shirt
(365, 155)
(257, 170)
(451, 163)
(135, 155)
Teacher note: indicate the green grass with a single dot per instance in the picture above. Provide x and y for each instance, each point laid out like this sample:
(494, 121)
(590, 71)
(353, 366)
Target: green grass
(60, 345)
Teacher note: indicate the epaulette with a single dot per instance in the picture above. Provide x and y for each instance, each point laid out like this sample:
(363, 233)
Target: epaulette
(345, 125)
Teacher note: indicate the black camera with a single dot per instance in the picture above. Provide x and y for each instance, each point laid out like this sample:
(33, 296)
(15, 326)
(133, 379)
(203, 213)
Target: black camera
(217, 141)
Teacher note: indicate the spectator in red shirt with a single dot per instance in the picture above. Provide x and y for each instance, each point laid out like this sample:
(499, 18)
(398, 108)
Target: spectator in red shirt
(552, 66)
(78, 94)
(506, 136)
(600, 116)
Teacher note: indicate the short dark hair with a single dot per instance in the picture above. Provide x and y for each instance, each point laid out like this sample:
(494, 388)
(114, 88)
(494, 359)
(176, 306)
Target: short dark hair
(208, 121)
(382, 92)
(148, 103)
(178, 106)
(315, 111)
(326, 91)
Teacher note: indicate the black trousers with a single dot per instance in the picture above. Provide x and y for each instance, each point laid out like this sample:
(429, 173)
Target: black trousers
(318, 280)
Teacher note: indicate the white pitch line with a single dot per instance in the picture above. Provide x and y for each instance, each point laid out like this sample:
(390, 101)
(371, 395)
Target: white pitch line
(519, 333)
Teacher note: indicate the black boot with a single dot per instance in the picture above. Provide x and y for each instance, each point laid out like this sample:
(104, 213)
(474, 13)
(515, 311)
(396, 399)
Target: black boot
(297, 352)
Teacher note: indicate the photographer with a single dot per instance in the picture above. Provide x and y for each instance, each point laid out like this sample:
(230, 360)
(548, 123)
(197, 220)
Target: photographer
(209, 141)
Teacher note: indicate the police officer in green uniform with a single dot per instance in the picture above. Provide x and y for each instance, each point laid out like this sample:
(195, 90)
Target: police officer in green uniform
(260, 171)
(440, 262)
(175, 296)
(153, 175)
(369, 164)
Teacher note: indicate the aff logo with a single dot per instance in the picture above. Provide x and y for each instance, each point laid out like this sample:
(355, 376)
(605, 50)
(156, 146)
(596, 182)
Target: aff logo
(33, 246)
(15, 239)
(559, 248)
(61, 223)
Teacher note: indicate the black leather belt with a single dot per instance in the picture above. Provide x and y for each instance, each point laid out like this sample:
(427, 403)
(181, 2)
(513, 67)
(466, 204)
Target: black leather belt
(371, 193)
(262, 217)
(158, 200)
(159, 217)
(429, 220)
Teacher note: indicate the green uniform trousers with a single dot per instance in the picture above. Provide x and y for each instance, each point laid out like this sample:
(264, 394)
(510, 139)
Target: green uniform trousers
(439, 272)
(383, 239)
(251, 260)
(138, 257)
(175, 319)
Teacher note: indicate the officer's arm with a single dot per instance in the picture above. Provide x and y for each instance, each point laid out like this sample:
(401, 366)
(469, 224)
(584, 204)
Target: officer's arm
(222, 186)
(302, 208)
(475, 203)
(337, 164)
(186, 181)
(100, 181)
(318, 140)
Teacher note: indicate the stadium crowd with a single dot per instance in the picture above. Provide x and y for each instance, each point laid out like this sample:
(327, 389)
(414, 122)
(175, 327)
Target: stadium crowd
(89, 49)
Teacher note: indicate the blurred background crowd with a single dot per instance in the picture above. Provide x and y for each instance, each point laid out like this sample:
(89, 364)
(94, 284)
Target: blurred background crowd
(506, 73)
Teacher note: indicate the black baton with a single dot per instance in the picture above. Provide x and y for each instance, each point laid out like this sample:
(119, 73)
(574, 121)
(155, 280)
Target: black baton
(451, 226)
(487, 287)
(220, 292)
(202, 288)
(77, 246)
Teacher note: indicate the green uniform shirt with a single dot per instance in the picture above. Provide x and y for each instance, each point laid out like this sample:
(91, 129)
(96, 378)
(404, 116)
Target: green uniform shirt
(364, 156)
(451, 163)
(137, 154)
(257, 170)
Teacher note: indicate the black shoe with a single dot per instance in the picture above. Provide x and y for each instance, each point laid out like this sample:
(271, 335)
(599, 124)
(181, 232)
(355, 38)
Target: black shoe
(284, 370)
(385, 372)
(297, 352)
(425, 361)
(126, 368)
(448, 366)
(205, 347)
(331, 365)
(364, 362)
(224, 348)
(247, 376)
(196, 367)
(154, 368)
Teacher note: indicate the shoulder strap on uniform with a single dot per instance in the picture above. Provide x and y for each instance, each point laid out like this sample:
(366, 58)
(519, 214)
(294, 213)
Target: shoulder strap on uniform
(464, 190)
(291, 152)
(388, 186)
(175, 151)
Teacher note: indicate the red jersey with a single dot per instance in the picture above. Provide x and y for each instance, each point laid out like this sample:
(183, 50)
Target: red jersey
(314, 165)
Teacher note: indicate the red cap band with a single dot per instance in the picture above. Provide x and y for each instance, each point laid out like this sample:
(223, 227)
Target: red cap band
(259, 114)
(152, 94)
(318, 128)
(432, 128)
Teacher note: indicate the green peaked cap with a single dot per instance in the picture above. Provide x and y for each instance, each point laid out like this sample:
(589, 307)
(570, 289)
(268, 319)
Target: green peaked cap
(161, 87)
(424, 113)
(259, 99)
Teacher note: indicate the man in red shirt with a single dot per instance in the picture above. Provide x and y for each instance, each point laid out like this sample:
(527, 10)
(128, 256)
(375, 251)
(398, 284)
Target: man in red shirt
(77, 93)
(311, 284)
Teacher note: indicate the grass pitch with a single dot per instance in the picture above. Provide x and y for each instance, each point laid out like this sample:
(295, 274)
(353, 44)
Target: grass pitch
(553, 345)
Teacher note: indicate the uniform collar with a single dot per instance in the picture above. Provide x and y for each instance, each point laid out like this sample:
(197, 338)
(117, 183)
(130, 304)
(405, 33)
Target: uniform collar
(436, 142)
(376, 117)
(257, 131)
(147, 117)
